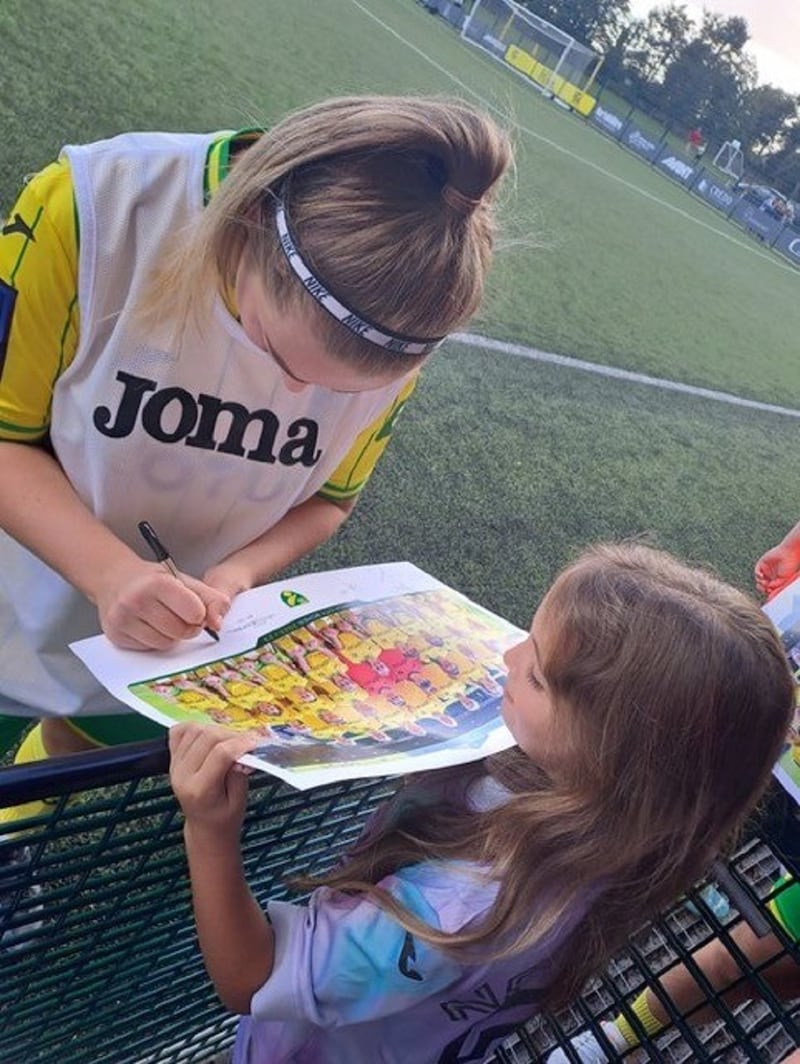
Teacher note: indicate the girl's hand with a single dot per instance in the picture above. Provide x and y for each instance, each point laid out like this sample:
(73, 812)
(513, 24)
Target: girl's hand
(211, 787)
(143, 607)
(776, 568)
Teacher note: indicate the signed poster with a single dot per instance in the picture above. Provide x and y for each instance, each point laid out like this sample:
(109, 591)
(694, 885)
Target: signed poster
(369, 671)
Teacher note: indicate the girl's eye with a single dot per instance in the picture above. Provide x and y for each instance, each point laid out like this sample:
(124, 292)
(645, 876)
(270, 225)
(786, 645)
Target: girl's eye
(534, 681)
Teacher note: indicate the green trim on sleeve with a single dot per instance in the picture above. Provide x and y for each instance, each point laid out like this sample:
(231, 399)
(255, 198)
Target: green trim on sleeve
(64, 332)
(334, 494)
(22, 430)
(26, 243)
(218, 159)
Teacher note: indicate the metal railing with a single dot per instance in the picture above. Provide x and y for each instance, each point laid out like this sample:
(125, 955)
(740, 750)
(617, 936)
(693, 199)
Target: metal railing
(762, 1029)
(98, 955)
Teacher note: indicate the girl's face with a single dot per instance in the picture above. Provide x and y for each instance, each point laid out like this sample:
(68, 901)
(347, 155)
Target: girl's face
(288, 339)
(528, 708)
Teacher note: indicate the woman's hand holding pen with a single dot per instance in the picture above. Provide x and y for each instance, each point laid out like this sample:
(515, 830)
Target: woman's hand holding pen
(229, 577)
(143, 607)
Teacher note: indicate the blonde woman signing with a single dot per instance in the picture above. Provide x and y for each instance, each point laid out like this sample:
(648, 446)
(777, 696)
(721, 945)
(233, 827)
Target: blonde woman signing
(214, 333)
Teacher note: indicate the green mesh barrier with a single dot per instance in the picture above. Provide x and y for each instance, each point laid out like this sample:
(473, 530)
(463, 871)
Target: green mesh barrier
(762, 1029)
(113, 974)
(100, 964)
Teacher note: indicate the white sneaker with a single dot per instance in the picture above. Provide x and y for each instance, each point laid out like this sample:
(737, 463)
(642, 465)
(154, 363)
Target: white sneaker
(588, 1049)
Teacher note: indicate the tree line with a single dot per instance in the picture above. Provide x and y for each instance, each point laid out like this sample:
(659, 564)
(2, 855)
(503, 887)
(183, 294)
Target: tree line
(690, 75)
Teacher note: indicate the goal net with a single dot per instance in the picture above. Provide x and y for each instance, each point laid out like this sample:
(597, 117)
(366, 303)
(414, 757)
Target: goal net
(730, 159)
(553, 60)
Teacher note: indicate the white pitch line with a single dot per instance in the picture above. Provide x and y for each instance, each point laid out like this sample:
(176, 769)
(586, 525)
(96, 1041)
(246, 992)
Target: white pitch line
(730, 237)
(533, 353)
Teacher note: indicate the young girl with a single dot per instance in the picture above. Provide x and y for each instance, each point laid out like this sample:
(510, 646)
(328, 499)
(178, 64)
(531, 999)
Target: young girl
(648, 703)
(215, 333)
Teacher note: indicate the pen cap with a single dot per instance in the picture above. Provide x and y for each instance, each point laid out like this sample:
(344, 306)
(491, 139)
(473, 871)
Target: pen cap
(160, 552)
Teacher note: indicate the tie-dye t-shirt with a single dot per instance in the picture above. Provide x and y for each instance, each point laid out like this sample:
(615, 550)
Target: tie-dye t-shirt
(351, 986)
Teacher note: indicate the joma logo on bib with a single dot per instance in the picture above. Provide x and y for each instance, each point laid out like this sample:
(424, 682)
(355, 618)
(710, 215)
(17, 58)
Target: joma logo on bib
(173, 415)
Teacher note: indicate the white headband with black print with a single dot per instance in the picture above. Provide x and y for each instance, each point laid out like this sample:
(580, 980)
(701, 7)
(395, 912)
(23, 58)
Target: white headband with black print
(403, 345)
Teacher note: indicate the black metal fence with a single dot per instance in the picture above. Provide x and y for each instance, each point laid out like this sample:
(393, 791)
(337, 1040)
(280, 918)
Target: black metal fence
(98, 956)
(762, 1028)
(99, 960)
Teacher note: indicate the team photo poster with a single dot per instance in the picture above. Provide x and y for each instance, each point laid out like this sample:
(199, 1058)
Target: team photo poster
(376, 670)
(784, 612)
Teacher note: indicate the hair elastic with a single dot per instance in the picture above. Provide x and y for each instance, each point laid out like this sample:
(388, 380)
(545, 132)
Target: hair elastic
(459, 200)
(404, 345)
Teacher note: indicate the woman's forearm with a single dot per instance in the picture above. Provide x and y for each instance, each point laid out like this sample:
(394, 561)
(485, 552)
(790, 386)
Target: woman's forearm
(42, 511)
(299, 532)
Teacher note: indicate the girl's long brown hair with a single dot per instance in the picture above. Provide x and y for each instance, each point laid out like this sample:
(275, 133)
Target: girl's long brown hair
(365, 182)
(673, 698)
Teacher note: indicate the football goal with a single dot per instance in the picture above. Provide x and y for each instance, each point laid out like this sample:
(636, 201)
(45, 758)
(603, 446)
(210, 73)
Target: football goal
(553, 60)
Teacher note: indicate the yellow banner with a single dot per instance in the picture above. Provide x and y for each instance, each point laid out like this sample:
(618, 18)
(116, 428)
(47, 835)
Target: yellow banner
(576, 98)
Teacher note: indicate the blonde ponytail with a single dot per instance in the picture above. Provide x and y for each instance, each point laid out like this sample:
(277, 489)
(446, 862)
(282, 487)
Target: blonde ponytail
(391, 205)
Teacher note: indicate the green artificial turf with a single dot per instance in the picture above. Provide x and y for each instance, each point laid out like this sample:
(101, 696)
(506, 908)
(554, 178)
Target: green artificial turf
(500, 467)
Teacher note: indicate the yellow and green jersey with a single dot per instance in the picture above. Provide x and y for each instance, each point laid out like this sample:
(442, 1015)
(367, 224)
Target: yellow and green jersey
(202, 438)
(39, 314)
